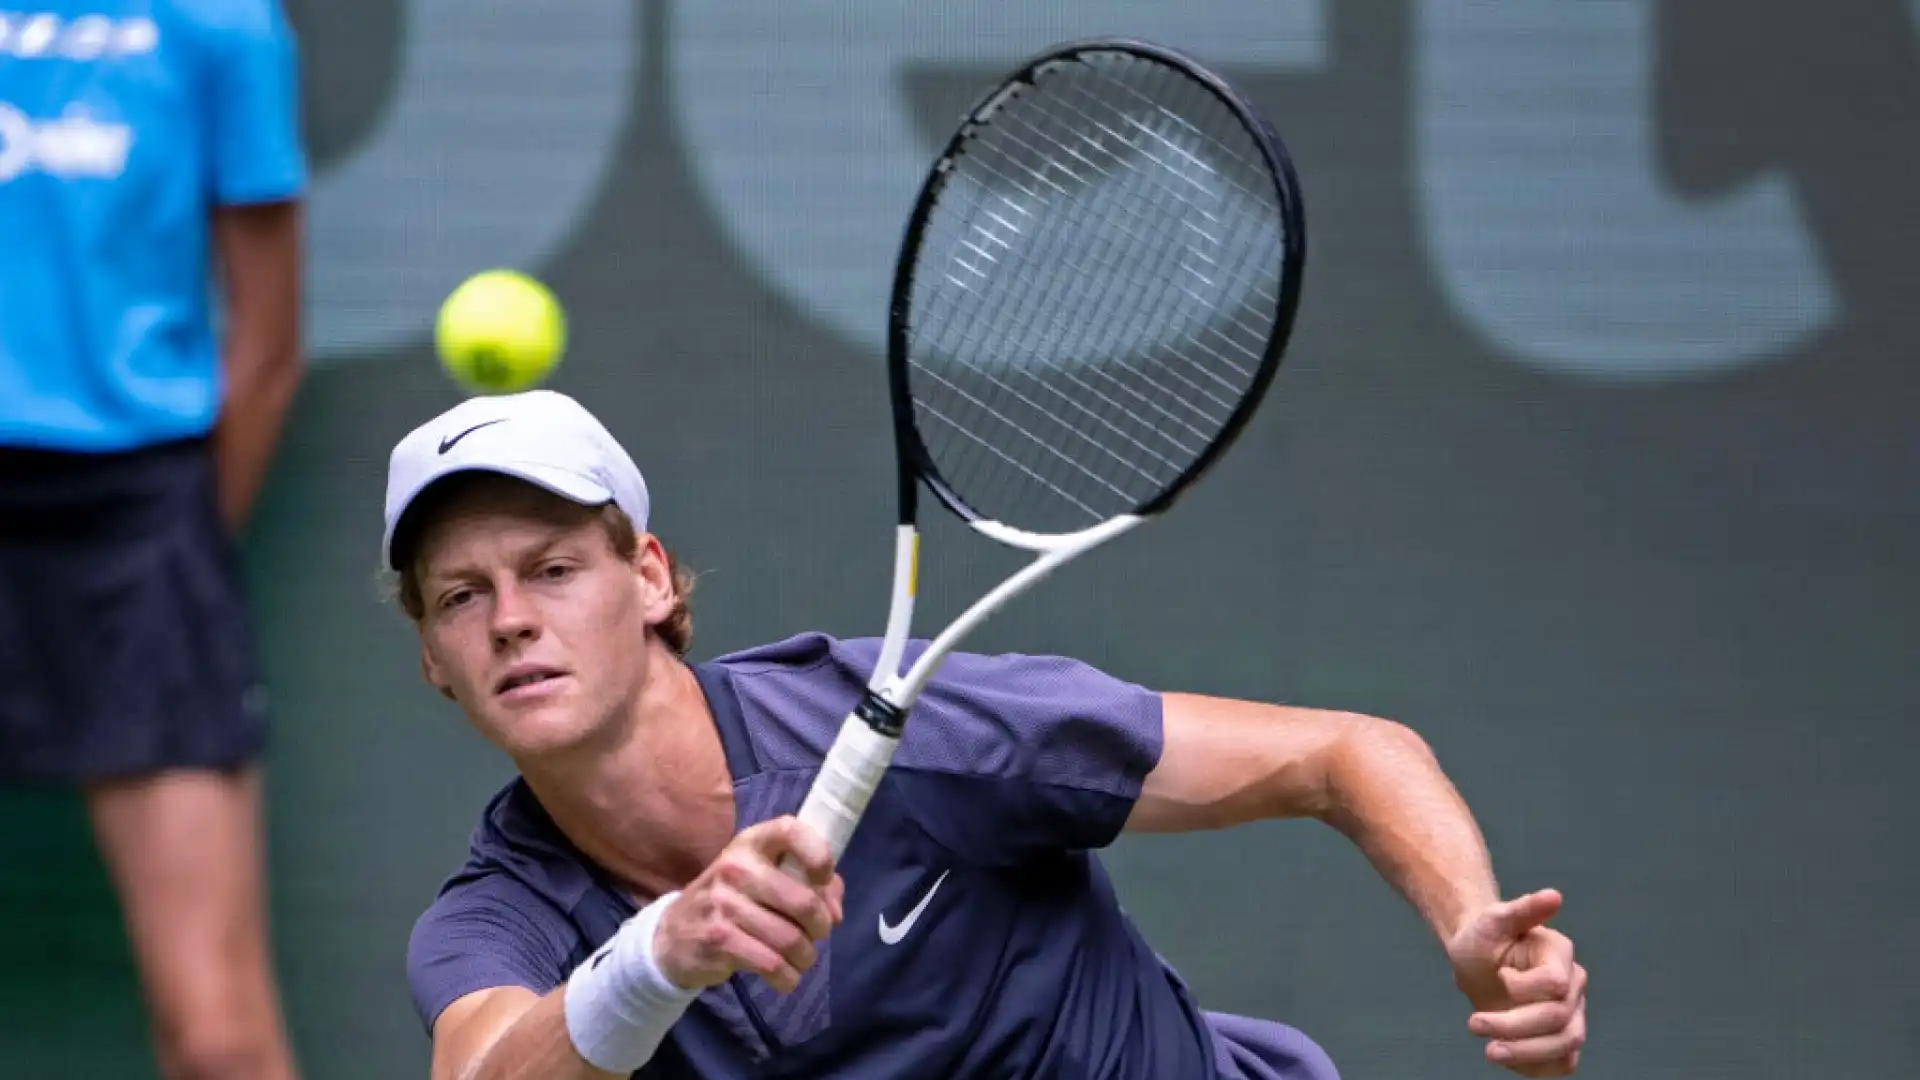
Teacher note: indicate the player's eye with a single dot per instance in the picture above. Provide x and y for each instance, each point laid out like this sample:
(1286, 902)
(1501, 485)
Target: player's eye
(455, 598)
(556, 571)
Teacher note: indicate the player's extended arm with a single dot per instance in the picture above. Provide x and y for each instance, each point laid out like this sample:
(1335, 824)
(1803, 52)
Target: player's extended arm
(1227, 762)
(259, 250)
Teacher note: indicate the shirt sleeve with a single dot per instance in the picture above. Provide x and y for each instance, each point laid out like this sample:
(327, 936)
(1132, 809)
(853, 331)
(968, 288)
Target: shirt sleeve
(1008, 758)
(481, 932)
(252, 104)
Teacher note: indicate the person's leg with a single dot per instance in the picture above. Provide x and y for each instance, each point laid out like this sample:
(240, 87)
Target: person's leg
(128, 667)
(184, 850)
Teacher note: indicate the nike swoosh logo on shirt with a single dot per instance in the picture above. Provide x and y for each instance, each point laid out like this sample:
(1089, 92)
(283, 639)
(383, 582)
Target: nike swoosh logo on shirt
(447, 443)
(892, 935)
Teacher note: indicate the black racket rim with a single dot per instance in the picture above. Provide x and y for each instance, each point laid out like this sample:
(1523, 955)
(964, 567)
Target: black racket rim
(915, 460)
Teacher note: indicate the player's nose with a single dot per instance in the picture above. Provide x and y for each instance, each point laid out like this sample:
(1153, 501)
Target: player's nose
(514, 616)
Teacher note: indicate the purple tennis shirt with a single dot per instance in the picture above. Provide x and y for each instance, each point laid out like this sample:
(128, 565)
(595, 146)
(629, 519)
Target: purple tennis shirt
(982, 936)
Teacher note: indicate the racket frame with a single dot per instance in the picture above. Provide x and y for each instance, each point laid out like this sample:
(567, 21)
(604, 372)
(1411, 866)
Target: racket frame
(916, 460)
(870, 734)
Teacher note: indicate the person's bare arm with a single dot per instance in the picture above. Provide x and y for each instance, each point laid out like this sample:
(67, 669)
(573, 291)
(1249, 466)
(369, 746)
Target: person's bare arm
(1227, 762)
(508, 1033)
(743, 913)
(259, 250)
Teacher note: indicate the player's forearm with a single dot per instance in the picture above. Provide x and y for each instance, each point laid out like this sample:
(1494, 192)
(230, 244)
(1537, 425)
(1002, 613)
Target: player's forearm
(608, 1019)
(535, 1046)
(1387, 793)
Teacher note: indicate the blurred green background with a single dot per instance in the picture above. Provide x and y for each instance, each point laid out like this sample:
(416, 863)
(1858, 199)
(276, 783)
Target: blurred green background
(1594, 459)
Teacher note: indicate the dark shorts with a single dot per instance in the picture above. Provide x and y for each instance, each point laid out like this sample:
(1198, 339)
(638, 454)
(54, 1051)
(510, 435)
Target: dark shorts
(126, 644)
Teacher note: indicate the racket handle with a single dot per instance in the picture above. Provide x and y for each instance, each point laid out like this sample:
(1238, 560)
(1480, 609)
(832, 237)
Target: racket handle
(847, 779)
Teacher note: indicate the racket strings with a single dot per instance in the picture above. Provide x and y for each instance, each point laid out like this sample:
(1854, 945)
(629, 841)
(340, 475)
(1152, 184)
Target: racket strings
(1124, 231)
(1164, 170)
(1254, 288)
(1038, 303)
(1120, 330)
(1095, 289)
(1099, 446)
(983, 338)
(1162, 394)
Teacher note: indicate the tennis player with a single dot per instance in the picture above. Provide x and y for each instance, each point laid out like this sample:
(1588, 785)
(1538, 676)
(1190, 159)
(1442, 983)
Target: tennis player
(621, 907)
(147, 151)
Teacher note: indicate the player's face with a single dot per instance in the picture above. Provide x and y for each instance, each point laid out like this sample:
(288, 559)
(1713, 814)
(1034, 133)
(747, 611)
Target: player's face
(533, 623)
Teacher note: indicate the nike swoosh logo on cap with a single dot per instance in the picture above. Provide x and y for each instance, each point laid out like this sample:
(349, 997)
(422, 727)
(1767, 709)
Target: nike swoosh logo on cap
(893, 935)
(446, 444)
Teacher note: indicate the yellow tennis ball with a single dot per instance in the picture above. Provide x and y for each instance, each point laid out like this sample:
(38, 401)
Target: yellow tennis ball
(500, 332)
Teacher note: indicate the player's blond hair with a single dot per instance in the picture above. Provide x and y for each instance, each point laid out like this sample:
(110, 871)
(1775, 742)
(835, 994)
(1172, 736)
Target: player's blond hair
(675, 631)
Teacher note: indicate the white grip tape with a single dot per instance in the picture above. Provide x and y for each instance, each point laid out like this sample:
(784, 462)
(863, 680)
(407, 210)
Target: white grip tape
(848, 778)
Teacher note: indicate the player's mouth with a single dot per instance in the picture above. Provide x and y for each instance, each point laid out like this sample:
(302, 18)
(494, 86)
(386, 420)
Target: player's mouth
(527, 680)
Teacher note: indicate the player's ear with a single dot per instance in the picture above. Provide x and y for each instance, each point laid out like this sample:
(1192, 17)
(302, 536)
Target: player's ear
(430, 671)
(653, 576)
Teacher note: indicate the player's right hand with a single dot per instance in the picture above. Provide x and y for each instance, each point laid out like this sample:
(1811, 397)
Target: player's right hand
(744, 913)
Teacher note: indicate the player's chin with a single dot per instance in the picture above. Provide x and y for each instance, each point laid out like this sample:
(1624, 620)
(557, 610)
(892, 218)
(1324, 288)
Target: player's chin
(555, 718)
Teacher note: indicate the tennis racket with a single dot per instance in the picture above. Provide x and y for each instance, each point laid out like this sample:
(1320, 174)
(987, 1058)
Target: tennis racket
(1095, 289)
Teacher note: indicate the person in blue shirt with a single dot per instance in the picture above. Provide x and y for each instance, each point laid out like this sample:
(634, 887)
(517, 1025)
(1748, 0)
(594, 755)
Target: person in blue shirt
(151, 172)
(621, 908)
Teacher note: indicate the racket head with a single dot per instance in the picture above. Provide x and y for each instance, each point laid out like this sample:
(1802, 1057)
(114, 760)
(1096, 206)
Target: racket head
(1178, 95)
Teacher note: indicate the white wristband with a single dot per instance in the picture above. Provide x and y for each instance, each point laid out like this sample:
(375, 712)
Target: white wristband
(619, 1005)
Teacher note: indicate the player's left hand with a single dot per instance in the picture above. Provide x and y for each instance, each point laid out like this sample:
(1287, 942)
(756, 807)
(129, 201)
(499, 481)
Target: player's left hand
(1528, 994)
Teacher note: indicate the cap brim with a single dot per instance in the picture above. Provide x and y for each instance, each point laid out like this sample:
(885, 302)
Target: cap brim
(568, 485)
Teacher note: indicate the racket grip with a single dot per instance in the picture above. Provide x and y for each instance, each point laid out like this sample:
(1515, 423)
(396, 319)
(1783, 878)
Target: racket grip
(847, 779)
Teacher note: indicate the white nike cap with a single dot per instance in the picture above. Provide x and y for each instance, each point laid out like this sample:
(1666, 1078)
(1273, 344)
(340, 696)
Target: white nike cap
(541, 436)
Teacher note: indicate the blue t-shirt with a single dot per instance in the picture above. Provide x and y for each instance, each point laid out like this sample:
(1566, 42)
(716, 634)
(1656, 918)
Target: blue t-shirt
(122, 124)
(982, 937)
